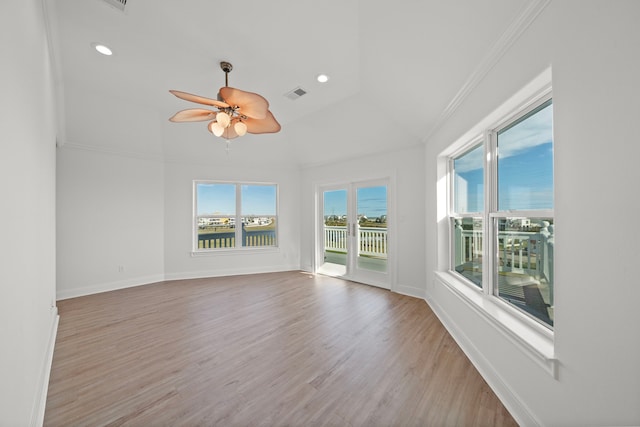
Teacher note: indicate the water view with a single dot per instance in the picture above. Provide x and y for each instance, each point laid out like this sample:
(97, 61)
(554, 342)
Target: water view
(221, 233)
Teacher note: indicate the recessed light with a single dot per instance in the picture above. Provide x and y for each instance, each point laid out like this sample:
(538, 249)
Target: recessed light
(105, 50)
(322, 78)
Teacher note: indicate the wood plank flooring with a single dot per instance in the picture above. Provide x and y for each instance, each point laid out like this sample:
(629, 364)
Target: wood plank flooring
(276, 349)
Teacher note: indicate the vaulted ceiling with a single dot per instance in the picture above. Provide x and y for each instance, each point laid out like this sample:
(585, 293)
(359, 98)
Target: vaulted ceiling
(396, 70)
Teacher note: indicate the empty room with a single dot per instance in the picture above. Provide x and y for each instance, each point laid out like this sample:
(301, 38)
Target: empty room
(347, 213)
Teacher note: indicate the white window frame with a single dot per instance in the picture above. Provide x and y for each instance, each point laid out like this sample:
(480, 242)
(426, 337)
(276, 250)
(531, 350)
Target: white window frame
(478, 141)
(529, 334)
(239, 246)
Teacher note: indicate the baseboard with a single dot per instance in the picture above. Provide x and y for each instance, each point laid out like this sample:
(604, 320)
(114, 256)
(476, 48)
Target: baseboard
(147, 280)
(410, 291)
(40, 401)
(110, 286)
(229, 272)
(514, 405)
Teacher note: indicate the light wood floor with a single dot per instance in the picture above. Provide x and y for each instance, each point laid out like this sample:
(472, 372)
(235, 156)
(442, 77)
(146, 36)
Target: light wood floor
(286, 349)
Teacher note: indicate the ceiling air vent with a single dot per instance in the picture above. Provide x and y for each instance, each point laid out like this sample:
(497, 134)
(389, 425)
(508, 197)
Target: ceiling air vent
(295, 93)
(118, 4)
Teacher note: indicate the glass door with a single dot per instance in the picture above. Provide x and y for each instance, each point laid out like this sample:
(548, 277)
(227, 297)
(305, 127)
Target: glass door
(370, 251)
(335, 238)
(353, 239)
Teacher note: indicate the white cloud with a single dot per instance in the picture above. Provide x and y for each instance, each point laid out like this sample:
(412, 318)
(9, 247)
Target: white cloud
(533, 131)
(473, 160)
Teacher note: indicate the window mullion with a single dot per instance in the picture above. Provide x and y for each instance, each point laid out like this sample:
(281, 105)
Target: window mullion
(491, 191)
(239, 224)
(195, 220)
(451, 212)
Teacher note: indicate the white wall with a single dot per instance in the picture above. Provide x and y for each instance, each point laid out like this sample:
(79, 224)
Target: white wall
(407, 166)
(124, 218)
(179, 262)
(592, 47)
(28, 316)
(110, 221)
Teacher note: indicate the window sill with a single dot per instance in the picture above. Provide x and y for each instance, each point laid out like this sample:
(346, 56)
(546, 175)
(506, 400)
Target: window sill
(234, 251)
(534, 339)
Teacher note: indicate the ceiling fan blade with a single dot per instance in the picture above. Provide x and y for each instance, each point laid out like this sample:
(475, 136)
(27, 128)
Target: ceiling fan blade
(251, 104)
(229, 132)
(266, 125)
(199, 99)
(193, 115)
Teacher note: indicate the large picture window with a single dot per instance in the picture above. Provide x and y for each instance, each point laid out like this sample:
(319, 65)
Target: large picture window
(234, 215)
(501, 211)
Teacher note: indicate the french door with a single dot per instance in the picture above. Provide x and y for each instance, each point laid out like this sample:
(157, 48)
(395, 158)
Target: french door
(353, 232)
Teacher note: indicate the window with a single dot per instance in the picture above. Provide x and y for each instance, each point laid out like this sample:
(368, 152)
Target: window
(501, 211)
(234, 215)
(468, 206)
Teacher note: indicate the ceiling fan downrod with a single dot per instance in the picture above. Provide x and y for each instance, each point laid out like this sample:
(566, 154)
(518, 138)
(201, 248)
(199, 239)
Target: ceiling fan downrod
(226, 67)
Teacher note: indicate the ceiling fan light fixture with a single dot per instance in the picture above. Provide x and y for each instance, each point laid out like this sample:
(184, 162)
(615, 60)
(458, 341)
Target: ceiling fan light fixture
(241, 128)
(247, 111)
(216, 129)
(223, 118)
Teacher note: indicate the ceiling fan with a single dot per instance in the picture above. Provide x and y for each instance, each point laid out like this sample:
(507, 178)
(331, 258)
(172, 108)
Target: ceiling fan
(236, 111)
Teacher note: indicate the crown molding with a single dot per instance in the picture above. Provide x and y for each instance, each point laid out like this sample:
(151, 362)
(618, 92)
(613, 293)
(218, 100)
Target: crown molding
(526, 17)
(154, 157)
(347, 159)
(157, 157)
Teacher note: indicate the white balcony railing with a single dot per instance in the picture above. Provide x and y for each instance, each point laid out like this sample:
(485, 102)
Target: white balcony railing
(372, 241)
(519, 252)
(335, 239)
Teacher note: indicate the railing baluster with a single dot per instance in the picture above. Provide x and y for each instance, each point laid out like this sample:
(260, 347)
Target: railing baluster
(372, 241)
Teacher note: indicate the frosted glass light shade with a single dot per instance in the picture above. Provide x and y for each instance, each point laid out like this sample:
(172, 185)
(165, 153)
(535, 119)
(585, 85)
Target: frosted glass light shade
(223, 119)
(241, 128)
(217, 128)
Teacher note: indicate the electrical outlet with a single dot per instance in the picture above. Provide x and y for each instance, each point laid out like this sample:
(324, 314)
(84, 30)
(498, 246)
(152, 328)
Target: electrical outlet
(121, 269)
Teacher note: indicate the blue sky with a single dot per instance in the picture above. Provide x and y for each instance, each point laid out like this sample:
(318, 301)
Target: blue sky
(372, 201)
(525, 168)
(220, 199)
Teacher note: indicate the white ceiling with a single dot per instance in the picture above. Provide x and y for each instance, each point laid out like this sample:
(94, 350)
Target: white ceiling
(395, 68)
